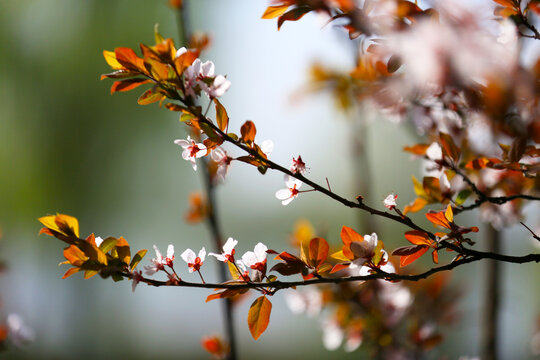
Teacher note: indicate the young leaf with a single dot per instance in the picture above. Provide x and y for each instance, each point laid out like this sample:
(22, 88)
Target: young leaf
(408, 259)
(110, 58)
(248, 132)
(64, 224)
(293, 15)
(137, 258)
(259, 316)
(418, 237)
(318, 251)
(221, 116)
(449, 147)
(462, 196)
(149, 97)
(274, 11)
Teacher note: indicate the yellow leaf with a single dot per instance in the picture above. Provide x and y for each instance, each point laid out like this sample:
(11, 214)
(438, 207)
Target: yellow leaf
(449, 214)
(63, 224)
(110, 58)
(340, 256)
(274, 11)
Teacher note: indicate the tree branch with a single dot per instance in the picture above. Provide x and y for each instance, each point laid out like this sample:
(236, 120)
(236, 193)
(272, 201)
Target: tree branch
(278, 285)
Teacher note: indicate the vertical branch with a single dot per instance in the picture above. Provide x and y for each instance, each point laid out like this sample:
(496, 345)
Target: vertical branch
(492, 298)
(212, 219)
(361, 164)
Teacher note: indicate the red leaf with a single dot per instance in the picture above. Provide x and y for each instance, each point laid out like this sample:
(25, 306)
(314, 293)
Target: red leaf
(259, 316)
(408, 259)
(129, 84)
(293, 15)
(405, 250)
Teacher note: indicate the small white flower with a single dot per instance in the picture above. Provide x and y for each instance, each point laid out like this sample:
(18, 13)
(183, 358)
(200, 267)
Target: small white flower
(192, 150)
(222, 160)
(256, 259)
(228, 251)
(390, 201)
(157, 263)
(434, 152)
(170, 256)
(267, 146)
(98, 241)
(137, 277)
(332, 335)
(180, 52)
(19, 333)
(287, 195)
(298, 166)
(194, 261)
(218, 87)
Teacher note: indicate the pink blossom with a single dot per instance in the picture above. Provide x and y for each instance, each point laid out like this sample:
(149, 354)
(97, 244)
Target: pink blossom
(228, 251)
(137, 277)
(194, 261)
(192, 150)
(287, 195)
(222, 160)
(390, 201)
(157, 263)
(298, 166)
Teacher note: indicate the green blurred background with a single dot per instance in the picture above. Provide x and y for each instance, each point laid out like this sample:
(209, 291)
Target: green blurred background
(67, 146)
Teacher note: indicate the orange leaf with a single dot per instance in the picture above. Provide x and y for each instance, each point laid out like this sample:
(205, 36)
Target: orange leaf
(222, 118)
(417, 205)
(435, 256)
(348, 236)
(129, 84)
(185, 60)
(75, 256)
(248, 132)
(418, 237)
(318, 251)
(274, 11)
(70, 272)
(128, 59)
(449, 147)
(438, 218)
(339, 267)
(408, 259)
(259, 316)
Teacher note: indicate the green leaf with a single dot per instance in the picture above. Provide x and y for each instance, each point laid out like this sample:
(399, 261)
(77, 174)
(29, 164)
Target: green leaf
(462, 196)
(107, 244)
(137, 258)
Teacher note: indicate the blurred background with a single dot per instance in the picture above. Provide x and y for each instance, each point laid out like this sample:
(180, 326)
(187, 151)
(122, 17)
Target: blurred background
(67, 146)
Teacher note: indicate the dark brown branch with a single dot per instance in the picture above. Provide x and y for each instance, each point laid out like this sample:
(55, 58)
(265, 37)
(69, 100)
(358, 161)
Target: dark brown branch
(531, 27)
(482, 197)
(358, 205)
(278, 285)
(212, 220)
(532, 232)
